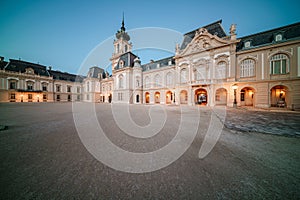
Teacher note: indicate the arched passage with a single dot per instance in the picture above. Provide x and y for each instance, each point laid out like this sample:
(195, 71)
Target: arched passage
(157, 97)
(183, 97)
(279, 96)
(221, 96)
(200, 96)
(169, 97)
(147, 97)
(247, 96)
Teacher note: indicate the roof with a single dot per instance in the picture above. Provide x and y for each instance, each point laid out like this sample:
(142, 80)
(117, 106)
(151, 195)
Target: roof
(159, 63)
(95, 71)
(214, 28)
(3, 64)
(288, 32)
(21, 66)
(127, 59)
(58, 75)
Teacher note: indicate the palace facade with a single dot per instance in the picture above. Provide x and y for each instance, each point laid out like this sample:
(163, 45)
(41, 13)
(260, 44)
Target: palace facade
(210, 67)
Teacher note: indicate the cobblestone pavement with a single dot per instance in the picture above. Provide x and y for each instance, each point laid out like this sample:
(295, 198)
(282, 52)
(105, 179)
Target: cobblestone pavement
(42, 157)
(277, 122)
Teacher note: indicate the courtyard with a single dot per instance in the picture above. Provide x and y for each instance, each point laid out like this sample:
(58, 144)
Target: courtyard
(43, 156)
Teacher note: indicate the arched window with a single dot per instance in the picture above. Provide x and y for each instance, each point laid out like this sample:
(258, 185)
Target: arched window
(121, 81)
(147, 82)
(157, 80)
(247, 68)
(169, 79)
(118, 48)
(183, 75)
(279, 64)
(221, 70)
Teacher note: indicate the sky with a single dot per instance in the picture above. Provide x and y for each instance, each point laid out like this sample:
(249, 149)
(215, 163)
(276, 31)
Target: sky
(70, 35)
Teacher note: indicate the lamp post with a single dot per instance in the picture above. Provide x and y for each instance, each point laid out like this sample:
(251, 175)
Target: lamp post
(234, 87)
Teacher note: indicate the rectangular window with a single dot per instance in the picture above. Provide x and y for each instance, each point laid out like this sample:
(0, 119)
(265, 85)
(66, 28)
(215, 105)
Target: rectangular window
(78, 97)
(29, 97)
(12, 85)
(44, 97)
(243, 95)
(29, 86)
(78, 89)
(13, 96)
(69, 98)
(58, 97)
(87, 97)
(69, 89)
(58, 88)
(44, 88)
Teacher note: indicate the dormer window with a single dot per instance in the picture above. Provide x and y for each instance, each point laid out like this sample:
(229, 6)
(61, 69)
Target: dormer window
(247, 44)
(29, 70)
(278, 37)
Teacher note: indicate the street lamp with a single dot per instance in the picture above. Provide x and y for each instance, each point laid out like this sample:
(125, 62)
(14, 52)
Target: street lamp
(234, 87)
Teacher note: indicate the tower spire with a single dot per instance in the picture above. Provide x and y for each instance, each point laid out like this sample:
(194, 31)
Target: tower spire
(123, 27)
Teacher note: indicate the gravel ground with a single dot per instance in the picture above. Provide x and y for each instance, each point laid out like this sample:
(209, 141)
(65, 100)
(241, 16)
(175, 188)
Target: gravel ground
(42, 157)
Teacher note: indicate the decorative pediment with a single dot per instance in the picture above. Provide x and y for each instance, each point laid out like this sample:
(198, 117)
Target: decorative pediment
(202, 61)
(222, 57)
(203, 41)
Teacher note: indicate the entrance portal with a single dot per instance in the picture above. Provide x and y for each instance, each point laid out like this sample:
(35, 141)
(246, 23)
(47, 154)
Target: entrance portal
(201, 97)
(247, 96)
(279, 96)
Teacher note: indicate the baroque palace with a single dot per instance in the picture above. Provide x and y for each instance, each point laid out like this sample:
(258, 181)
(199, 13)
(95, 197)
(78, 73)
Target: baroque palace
(210, 67)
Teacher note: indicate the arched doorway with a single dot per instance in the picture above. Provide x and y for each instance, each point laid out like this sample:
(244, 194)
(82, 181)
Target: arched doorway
(279, 96)
(183, 97)
(147, 97)
(169, 97)
(221, 96)
(137, 100)
(109, 98)
(201, 97)
(157, 97)
(247, 96)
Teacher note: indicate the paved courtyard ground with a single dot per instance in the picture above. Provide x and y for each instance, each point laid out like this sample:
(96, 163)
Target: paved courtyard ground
(42, 156)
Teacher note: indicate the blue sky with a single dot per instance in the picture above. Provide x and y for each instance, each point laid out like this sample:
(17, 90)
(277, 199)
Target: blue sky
(62, 34)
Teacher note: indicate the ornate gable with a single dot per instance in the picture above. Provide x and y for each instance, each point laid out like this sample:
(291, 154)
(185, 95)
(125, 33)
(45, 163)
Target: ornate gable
(202, 41)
